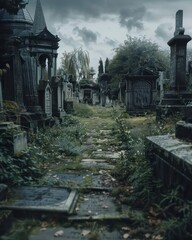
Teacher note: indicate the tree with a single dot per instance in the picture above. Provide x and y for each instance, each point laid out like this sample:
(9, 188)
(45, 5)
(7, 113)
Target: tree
(134, 54)
(100, 68)
(12, 6)
(107, 65)
(76, 64)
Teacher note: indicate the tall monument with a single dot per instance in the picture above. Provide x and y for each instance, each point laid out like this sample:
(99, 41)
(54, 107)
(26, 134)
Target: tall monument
(177, 97)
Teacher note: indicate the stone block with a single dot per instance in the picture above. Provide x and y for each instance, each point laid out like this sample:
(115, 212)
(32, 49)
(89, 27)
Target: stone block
(19, 143)
(171, 160)
(183, 130)
(15, 142)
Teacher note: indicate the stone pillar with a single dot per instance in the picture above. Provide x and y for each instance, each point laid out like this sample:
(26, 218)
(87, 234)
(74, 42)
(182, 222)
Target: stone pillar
(178, 45)
(29, 80)
(43, 71)
(177, 98)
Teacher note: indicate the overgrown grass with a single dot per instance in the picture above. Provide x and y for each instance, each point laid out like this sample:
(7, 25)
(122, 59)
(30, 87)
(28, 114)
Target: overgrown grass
(82, 110)
(172, 213)
(43, 148)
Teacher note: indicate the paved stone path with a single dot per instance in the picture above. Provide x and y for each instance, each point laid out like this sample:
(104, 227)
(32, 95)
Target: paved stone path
(91, 178)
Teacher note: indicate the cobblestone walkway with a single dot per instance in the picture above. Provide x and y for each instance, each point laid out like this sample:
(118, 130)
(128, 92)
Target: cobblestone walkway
(94, 212)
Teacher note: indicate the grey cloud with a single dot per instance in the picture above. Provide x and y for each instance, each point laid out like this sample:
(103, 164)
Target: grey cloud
(87, 35)
(132, 18)
(131, 13)
(111, 42)
(164, 31)
(69, 41)
(63, 9)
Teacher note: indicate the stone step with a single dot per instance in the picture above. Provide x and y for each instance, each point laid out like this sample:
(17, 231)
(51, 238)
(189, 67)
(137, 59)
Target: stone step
(85, 180)
(107, 154)
(72, 233)
(96, 164)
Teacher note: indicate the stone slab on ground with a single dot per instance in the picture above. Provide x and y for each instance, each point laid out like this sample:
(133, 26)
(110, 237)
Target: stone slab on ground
(82, 180)
(95, 204)
(96, 163)
(106, 154)
(46, 199)
(75, 234)
(89, 147)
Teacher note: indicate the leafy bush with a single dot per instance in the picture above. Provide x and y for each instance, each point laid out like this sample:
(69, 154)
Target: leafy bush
(17, 170)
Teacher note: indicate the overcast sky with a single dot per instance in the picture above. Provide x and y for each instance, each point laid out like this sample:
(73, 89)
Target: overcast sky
(99, 26)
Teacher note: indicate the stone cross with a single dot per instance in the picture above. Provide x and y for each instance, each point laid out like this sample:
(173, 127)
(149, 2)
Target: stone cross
(178, 22)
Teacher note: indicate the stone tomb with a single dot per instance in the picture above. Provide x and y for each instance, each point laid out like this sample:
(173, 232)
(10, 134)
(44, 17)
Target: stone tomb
(89, 92)
(40, 199)
(171, 159)
(141, 91)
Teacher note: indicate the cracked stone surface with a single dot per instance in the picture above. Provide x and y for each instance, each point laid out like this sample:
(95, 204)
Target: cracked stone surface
(39, 199)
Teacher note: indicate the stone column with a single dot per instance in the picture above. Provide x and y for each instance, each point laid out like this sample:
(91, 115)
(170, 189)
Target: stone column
(29, 81)
(178, 45)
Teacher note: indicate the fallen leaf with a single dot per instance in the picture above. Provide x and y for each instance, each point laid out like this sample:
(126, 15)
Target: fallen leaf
(126, 235)
(85, 232)
(126, 228)
(104, 206)
(59, 233)
(153, 212)
(147, 235)
(43, 229)
(44, 225)
(158, 237)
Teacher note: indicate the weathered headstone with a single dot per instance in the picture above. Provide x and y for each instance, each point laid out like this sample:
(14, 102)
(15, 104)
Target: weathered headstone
(45, 97)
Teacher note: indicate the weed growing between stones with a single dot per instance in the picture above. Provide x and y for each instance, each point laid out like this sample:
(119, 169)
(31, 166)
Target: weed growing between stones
(175, 212)
(133, 169)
